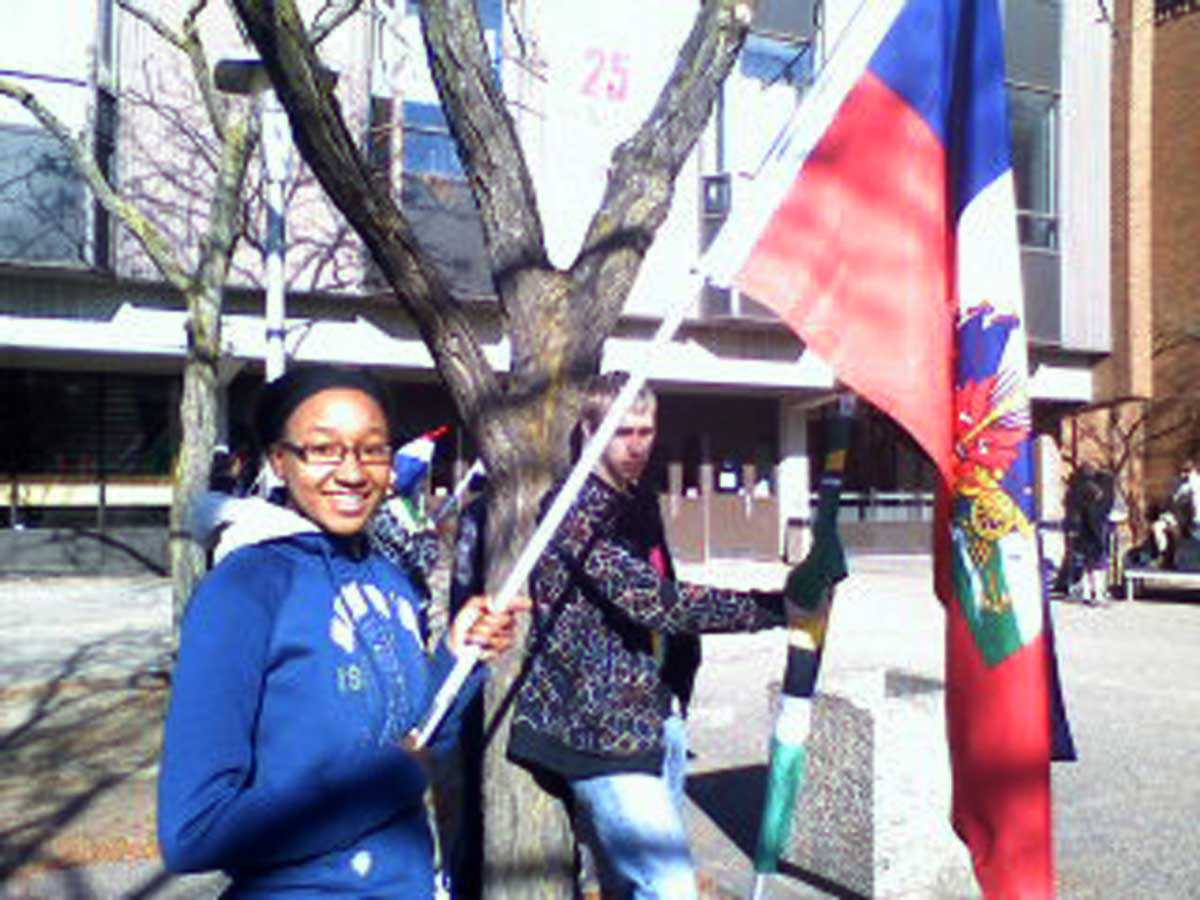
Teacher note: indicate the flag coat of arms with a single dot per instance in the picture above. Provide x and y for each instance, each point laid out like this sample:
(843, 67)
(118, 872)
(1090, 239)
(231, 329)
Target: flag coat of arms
(883, 230)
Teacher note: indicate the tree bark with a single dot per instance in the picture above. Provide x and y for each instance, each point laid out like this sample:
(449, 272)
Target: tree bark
(529, 849)
(198, 435)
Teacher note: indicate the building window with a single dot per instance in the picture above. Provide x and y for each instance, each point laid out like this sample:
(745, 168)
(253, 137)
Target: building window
(428, 145)
(105, 150)
(86, 423)
(429, 148)
(888, 478)
(78, 441)
(773, 71)
(434, 189)
(1034, 118)
(43, 202)
(1033, 62)
(1033, 58)
(797, 18)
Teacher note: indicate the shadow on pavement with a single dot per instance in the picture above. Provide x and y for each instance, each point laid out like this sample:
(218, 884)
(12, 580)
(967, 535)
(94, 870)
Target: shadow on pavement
(733, 800)
(78, 551)
(77, 785)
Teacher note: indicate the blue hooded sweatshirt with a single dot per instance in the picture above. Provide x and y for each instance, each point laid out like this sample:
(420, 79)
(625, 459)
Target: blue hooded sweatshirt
(301, 669)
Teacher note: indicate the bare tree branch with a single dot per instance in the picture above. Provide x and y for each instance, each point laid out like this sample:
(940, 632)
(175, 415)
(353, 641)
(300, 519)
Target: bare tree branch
(329, 17)
(326, 144)
(525, 50)
(1166, 341)
(182, 126)
(225, 210)
(188, 41)
(202, 73)
(479, 120)
(157, 25)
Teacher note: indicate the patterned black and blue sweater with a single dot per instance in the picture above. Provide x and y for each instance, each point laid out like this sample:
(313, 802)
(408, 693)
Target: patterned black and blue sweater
(594, 696)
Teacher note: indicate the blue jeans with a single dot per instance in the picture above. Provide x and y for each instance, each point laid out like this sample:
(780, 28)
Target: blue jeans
(634, 820)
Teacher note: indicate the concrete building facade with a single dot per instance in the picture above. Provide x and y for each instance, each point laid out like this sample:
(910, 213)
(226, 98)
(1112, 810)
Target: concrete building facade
(91, 338)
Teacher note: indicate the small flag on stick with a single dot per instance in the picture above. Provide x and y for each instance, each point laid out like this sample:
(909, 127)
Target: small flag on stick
(411, 461)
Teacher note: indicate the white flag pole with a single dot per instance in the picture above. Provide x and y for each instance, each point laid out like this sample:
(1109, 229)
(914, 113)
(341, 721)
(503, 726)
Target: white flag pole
(592, 451)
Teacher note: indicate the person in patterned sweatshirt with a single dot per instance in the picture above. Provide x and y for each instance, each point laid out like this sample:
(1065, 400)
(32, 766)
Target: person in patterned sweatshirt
(612, 654)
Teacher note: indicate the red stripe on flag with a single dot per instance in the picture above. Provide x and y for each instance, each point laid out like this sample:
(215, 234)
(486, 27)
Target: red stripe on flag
(998, 733)
(1000, 742)
(859, 255)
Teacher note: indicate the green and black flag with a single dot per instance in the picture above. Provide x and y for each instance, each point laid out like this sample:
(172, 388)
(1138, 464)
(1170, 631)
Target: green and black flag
(811, 584)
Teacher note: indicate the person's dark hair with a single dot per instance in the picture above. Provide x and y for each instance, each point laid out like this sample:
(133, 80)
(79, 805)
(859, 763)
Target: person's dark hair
(601, 390)
(278, 399)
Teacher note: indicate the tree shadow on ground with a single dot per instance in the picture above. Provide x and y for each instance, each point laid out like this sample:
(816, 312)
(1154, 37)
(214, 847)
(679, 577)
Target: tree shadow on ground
(733, 800)
(77, 550)
(80, 751)
(132, 555)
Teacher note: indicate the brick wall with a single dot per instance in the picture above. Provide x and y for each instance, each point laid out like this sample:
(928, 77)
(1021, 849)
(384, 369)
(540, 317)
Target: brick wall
(1176, 242)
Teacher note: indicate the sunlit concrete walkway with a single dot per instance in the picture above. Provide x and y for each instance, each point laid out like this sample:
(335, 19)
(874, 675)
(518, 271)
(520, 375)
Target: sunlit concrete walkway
(1125, 813)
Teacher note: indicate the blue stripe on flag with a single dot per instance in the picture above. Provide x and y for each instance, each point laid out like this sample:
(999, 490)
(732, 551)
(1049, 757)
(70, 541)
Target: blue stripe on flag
(923, 41)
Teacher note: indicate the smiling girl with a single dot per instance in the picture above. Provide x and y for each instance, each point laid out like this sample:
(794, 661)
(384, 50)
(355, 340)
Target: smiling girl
(302, 670)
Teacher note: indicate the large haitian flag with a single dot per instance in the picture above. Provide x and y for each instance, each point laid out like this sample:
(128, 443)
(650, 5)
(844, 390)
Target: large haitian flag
(883, 230)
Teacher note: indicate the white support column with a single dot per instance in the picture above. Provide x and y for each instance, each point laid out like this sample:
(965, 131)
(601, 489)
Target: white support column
(794, 484)
(276, 144)
(1084, 180)
(1049, 490)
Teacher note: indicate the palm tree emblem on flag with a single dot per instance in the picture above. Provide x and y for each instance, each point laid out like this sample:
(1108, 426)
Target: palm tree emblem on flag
(993, 538)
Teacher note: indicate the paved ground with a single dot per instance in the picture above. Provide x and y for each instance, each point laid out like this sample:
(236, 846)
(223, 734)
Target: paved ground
(76, 803)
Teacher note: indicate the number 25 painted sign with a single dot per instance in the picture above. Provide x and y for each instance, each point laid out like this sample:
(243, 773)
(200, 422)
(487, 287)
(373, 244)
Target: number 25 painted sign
(607, 75)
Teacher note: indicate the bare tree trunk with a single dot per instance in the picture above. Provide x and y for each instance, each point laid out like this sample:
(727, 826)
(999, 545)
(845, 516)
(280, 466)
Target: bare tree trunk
(528, 845)
(198, 436)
